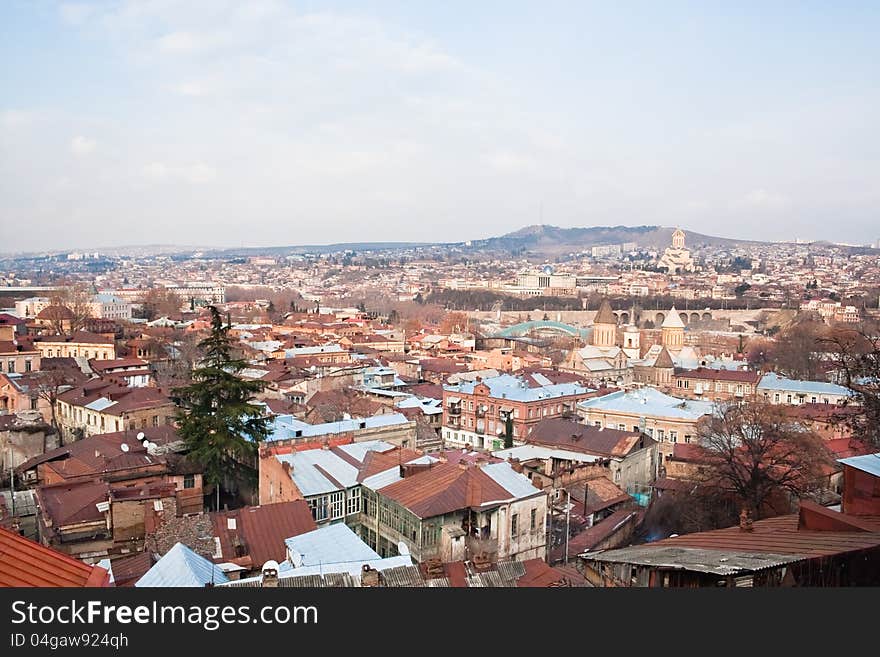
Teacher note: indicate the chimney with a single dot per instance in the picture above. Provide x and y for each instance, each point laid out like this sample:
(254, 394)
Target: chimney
(269, 575)
(575, 437)
(515, 464)
(745, 521)
(369, 576)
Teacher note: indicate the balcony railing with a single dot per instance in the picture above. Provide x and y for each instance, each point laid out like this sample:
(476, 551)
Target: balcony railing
(454, 410)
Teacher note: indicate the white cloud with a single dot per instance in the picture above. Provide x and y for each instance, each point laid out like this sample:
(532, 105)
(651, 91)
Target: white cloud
(81, 146)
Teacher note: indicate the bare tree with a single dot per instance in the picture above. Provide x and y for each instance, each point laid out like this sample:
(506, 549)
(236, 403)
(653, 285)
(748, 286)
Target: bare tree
(183, 354)
(70, 310)
(50, 384)
(159, 302)
(757, 454)
(856, 354)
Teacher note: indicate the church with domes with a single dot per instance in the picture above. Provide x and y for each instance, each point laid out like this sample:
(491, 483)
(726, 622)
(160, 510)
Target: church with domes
(676, 258)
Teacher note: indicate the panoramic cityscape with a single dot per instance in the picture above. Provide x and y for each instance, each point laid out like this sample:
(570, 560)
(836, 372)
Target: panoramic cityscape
(342, 298)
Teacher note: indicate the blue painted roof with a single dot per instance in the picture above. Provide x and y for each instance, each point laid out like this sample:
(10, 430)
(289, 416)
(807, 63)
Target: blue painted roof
(333, 544)
(511, 387)
(773, 381)
(650, 402)
(182, 567)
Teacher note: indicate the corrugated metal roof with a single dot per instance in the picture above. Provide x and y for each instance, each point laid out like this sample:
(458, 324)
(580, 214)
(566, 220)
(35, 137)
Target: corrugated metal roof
(262, 529)
(330, 545)
(307, 471)
(527, 452)
(515, 482)
(24, 563)
(716, 562)
(869, 463)
(649, 402)
(507, 386)
(181, 567)
(359, 451)
(772, 381)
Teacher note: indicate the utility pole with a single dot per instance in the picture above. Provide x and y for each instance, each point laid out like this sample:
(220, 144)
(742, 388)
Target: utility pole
(567, 522)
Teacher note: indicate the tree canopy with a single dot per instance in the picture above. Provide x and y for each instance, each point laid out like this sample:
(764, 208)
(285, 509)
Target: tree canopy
(217, 417)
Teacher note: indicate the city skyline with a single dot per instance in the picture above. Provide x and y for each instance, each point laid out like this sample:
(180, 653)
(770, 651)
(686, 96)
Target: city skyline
(293, 123)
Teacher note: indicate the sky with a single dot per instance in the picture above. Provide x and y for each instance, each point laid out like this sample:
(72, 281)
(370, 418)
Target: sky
(274, 122)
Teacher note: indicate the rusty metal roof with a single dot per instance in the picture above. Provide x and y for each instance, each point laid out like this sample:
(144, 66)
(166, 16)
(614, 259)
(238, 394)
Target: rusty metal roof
(261, 530)
(446, 487)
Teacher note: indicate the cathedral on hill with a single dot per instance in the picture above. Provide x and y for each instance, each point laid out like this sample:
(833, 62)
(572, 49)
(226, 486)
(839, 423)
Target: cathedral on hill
(676, 258)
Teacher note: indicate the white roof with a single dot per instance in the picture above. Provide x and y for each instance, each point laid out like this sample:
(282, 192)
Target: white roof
(100, 404)
(649, 402)
(392, 475)
(181, 567)
(333, 544)
(516, 483)
(311, 467)
(526, 452)
(352, 568)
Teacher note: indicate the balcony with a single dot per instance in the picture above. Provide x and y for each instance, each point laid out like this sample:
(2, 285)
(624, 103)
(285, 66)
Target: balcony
(454, 411)
(481, 410)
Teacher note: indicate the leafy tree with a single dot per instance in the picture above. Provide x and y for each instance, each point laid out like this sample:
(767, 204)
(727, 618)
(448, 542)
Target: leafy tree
(216, 418)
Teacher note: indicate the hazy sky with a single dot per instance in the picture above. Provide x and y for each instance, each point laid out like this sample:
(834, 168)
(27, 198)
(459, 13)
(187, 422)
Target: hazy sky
(214, 122)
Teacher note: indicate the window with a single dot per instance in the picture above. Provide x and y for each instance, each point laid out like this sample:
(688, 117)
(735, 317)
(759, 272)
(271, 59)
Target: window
(597, 423)
(636, 427)
(660, 435)
(354, 501)
(318, 505)
(533, 519)
(33, 403)
(27, 365)
(687, 438)
(788, 398)
(813, 399)
(10, 366)
(189, 481)
(513, 525)
(155, 420)
(622, 427)
(617, 475)
(776, 397)
(673, 436)
(337, 504)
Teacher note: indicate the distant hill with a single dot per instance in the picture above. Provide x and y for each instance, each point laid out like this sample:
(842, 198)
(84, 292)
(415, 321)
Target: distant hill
(552, 240)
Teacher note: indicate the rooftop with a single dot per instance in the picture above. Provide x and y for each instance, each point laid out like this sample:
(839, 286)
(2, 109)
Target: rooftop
(24, 563)
(649, 402)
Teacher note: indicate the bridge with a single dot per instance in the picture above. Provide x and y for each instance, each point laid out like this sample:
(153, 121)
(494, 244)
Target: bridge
(541, 326)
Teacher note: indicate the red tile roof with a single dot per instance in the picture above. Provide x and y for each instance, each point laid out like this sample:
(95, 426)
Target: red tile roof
(26, 563)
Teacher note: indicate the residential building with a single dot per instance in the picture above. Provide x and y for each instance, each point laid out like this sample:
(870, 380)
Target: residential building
(81, 344)
(630, 457)
(777, 389)
(716, 385)
(475, 413)
(104, 406)
(666, 419)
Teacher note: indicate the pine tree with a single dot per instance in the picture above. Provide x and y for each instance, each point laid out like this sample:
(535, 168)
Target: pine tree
(216, 419)
(508, 430)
